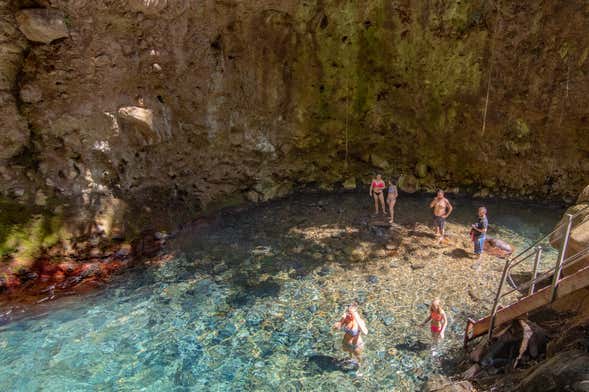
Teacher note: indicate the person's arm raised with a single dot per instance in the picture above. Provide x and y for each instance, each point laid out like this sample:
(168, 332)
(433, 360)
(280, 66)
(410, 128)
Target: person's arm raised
(361, 323)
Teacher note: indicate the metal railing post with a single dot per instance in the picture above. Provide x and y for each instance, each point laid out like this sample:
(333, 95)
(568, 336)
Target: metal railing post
(497, 298)
(535, 271)
(560, 259)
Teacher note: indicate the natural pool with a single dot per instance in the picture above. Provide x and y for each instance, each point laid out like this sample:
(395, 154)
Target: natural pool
(246, 301)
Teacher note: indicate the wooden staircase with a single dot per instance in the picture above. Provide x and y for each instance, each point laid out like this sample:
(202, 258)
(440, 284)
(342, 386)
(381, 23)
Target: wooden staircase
(534, 298)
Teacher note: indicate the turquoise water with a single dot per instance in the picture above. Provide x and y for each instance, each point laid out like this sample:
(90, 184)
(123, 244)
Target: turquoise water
(246, 304)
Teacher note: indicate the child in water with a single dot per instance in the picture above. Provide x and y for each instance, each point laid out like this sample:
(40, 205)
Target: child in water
(438, 320)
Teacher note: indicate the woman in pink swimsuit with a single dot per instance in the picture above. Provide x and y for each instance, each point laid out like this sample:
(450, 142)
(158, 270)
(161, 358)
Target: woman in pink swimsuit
(376, 190)
(438, 320)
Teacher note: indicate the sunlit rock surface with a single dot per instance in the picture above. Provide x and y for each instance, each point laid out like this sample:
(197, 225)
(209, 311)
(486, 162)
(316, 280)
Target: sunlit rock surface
(245, 94)
(42, 24)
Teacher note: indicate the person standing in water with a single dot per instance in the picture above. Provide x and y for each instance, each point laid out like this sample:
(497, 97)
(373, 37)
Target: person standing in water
(438, 319)
(442, 209)
(353, 326)
(479, 234)
(392, 194)
(376, 189)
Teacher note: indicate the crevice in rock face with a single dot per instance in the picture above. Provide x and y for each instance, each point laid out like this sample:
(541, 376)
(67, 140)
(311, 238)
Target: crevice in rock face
(217, 43)
(324, 22)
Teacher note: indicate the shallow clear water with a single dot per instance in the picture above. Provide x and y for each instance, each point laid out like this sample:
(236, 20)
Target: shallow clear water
(246, 302)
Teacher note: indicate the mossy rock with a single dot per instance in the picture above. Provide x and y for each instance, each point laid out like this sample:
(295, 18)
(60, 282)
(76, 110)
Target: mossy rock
(408, 183)
(421, 170)
(26, 230)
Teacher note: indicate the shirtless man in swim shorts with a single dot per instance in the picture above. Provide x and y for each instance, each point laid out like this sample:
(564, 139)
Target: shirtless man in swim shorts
(442, 209)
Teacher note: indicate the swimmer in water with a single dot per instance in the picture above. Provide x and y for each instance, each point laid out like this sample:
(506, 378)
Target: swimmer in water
(353, 326)
(376, 191)
(438, 319)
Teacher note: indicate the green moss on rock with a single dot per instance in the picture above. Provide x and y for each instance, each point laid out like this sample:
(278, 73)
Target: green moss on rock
(26, 230)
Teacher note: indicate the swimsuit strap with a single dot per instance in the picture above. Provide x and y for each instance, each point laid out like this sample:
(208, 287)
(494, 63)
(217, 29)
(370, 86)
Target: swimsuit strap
(354, 331)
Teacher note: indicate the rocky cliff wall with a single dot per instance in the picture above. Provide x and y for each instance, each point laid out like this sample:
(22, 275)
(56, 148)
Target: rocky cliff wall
(222, 99)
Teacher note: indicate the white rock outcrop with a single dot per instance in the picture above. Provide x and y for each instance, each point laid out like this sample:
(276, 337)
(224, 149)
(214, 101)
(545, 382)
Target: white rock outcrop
(42, 25)
(143, 125)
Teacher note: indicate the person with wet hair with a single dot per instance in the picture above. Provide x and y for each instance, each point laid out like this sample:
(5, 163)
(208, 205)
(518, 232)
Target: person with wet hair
(438, 319)
(376, 191)
(392, 194)
(353, 326)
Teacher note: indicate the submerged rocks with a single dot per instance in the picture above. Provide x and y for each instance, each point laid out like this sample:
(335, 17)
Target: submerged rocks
(439, 383)
(417, 266)
(42, 25)
(373, 279)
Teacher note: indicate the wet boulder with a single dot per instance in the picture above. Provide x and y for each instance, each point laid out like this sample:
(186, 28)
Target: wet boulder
(373, 279)
(379, 161)
(439, 383)
(350, 183)
(26, 275)
(42, 25)
(146, 245)
(90, 270)
(579, 236)
(421, 170)
(358, 254)
(567, 371)
(408, 183)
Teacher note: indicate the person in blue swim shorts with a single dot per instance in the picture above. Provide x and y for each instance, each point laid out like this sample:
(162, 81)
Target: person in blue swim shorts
(479, 235)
